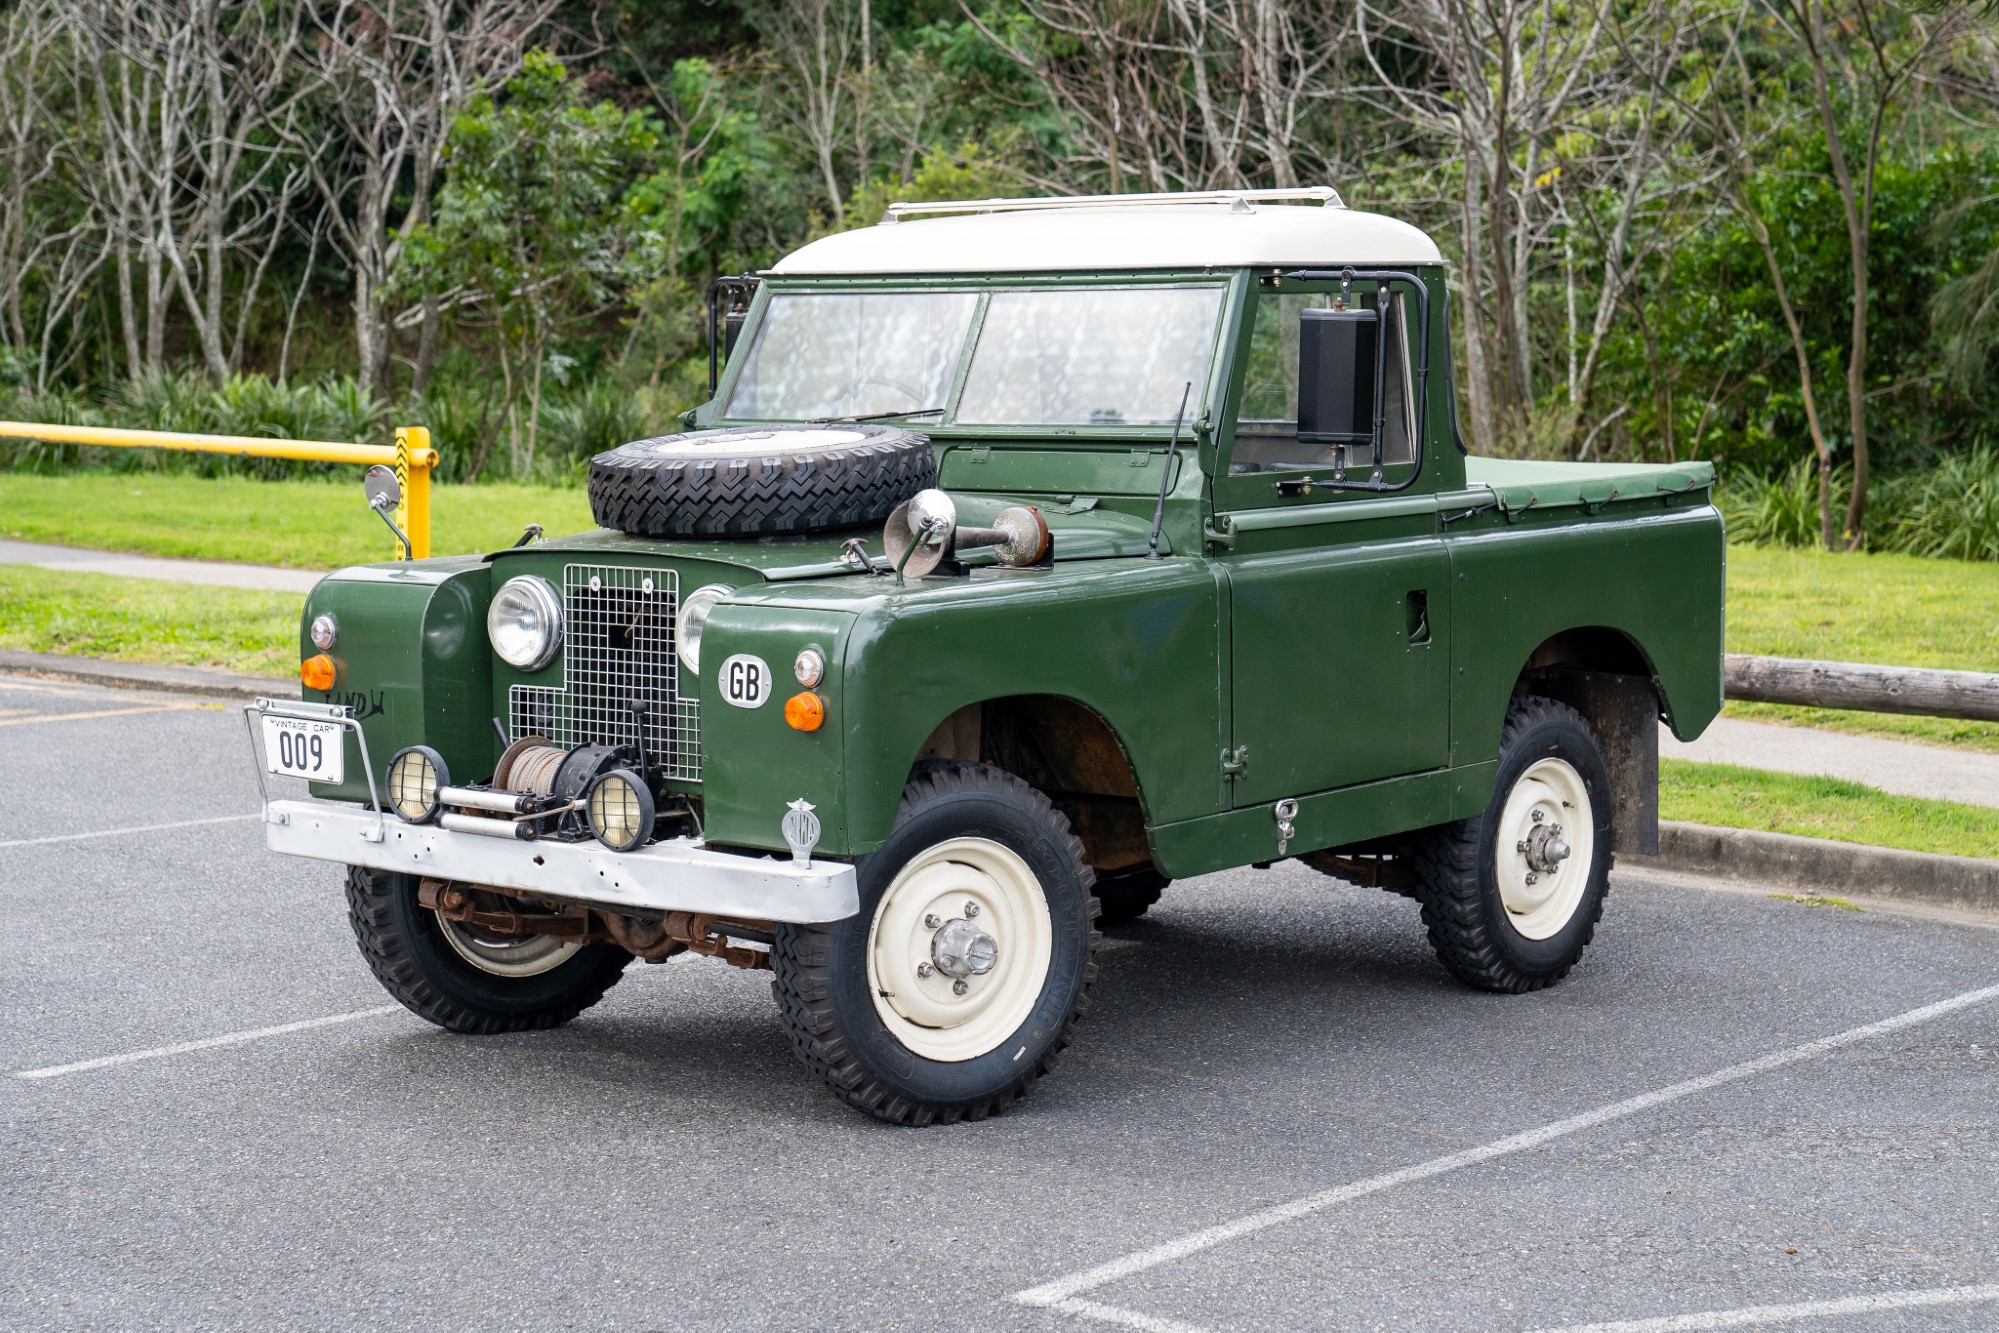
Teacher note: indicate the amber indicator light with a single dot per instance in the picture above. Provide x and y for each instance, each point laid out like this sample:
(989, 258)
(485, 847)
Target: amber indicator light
(805, 711)
(316, 672)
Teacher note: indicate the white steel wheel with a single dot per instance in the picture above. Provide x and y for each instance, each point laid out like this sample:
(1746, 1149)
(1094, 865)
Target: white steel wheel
(506, 955)
(1545, 848)
(959, 949)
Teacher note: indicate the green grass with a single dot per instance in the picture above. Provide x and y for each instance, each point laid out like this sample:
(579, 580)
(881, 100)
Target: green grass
(1895, 610)
(302, 524)
(1749, 798)
(143, 620)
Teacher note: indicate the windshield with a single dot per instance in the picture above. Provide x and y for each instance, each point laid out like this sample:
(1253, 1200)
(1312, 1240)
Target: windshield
(1090, 358)
(836, 355)
(1051, 357)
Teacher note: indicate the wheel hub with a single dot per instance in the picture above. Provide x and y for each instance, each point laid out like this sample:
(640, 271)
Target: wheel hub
(960, 949)
(1543, 847)
(1543, 864)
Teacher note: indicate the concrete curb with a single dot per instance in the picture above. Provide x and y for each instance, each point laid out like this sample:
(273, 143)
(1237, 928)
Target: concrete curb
(209, 681)
(1818, 865)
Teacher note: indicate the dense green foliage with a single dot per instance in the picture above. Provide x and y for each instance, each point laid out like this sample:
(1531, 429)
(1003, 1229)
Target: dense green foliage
(501, 219)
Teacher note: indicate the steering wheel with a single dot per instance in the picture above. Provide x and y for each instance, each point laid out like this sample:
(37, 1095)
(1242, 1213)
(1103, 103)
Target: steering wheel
(851, 385)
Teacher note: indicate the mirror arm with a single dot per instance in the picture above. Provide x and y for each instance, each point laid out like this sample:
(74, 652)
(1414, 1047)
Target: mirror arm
(408, 554)
(1384, 276)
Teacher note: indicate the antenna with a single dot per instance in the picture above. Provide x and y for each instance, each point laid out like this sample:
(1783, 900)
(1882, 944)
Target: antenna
(1166, 474)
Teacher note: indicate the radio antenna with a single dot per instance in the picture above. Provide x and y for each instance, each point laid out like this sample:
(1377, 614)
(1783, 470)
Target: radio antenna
(1166, 474)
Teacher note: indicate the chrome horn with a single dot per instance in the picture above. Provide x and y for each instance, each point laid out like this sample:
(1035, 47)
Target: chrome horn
(923, 533)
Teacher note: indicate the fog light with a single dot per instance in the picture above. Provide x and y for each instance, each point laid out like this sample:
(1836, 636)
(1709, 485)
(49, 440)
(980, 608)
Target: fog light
(324, 633)
(415, 775)
(806, 711)
(317, 673)
(621, 810)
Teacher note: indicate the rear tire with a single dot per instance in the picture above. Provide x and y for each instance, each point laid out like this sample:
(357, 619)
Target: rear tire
(436, 977)
(870, 1002)
(1505, 912)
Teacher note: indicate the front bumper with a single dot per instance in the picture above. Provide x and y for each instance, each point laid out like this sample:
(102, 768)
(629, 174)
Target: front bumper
(676, 876)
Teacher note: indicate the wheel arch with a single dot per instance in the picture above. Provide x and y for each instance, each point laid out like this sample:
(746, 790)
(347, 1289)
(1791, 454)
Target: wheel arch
(1606, 675)
(1067, 750)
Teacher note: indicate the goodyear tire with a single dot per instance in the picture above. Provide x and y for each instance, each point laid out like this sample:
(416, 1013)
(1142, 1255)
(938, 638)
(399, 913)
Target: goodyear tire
(1512, 895)
(457, 979)
(759, 480)
(900, 1010)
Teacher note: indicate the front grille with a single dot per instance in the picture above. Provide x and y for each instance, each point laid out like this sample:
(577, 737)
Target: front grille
(617, 649)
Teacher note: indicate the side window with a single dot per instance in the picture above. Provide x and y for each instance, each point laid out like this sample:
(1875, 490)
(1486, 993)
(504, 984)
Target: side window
(1266, 437)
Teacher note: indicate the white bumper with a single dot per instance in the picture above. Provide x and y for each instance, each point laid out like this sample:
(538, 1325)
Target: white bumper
(676, 876)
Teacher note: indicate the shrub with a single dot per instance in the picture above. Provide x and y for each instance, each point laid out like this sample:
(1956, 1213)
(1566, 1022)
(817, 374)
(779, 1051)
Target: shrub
(1951, 510)
(1782, 510)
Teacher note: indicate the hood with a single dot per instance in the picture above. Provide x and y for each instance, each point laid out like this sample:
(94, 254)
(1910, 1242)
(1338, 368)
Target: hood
(1080, 528)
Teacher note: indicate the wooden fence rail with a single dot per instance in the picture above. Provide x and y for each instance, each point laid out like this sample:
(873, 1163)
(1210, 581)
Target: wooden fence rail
(1970, 695)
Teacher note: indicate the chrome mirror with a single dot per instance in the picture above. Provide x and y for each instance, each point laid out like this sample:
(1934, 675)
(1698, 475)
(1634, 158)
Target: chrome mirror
(384, 493)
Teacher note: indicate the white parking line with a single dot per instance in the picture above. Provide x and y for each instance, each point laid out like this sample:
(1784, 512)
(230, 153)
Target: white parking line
(1788, 1314)
(98, 712)
(1063, 1291)
(206, 1043)
(120, 832)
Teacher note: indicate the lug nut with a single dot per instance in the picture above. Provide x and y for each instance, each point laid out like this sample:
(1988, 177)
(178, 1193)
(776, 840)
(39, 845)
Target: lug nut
(971, 909)
(933, 921)
(1532, 878)
(1538, 816)
(924, 969)
(960, 987)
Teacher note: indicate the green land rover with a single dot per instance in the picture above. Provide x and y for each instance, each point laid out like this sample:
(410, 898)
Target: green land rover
(1029, 556)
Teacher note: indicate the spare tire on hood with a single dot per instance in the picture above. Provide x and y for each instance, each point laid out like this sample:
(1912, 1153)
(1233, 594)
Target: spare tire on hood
(759, 480)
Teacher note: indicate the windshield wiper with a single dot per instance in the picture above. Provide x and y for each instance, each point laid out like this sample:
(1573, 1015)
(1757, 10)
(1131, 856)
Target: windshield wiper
(881, 416)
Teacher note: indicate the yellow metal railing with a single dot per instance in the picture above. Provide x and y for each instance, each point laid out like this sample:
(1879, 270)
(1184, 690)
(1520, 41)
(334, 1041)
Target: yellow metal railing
(411, 456)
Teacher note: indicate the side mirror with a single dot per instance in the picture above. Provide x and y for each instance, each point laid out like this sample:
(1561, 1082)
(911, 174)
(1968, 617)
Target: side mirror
(384, 492)
(1339, 375)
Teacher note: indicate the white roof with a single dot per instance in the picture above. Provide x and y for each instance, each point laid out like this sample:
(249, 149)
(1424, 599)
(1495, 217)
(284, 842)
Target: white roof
(1116, 236)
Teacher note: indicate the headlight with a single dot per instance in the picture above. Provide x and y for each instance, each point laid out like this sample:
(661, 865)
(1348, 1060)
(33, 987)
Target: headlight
(524, 624)
(621, 810)
(415, 774)
(694, 609)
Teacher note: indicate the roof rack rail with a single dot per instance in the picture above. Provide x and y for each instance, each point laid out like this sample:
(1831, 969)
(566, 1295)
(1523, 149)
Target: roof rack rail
(1239, 199)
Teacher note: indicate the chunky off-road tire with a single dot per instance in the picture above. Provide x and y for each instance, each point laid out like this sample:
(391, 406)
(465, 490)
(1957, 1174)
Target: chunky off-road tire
(759, 480)
(405, 946)
(1126, 895)
(961, 831)
(1498, 918)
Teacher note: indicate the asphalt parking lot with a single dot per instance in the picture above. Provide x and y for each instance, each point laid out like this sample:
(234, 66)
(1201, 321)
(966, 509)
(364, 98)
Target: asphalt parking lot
(1281, 1113)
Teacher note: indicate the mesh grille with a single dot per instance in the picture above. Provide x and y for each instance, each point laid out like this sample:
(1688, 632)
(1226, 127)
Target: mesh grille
(617, 635)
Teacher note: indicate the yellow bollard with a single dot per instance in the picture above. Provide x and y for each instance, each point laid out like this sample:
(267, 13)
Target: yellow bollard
(413, 514)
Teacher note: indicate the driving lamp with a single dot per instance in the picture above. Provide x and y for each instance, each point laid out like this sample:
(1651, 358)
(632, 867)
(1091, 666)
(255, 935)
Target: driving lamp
(415, 775)
(621, 810)
(524, 624)
(693, 618)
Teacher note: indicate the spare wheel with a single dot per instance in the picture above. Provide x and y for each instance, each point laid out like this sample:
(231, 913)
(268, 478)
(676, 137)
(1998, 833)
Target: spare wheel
(759, 480)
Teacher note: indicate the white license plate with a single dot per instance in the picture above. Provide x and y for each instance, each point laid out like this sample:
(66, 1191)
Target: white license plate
(302, 749)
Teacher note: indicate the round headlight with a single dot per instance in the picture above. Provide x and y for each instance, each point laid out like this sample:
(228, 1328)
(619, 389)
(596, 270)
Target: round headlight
(324, 633)
(621, 810)
(415, 775)
(524, 624)
(694, 609)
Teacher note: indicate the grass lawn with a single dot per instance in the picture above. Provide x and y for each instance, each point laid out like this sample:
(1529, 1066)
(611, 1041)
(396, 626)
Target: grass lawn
(1823, 808)
(143, 620)
(1897, 610)
(303, 524)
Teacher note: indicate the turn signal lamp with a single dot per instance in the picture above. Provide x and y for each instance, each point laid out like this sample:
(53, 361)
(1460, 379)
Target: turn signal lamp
(316, 672)
(806, 712)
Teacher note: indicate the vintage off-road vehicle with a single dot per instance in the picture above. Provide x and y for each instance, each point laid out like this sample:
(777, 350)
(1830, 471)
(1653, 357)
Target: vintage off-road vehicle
(1030, 555)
